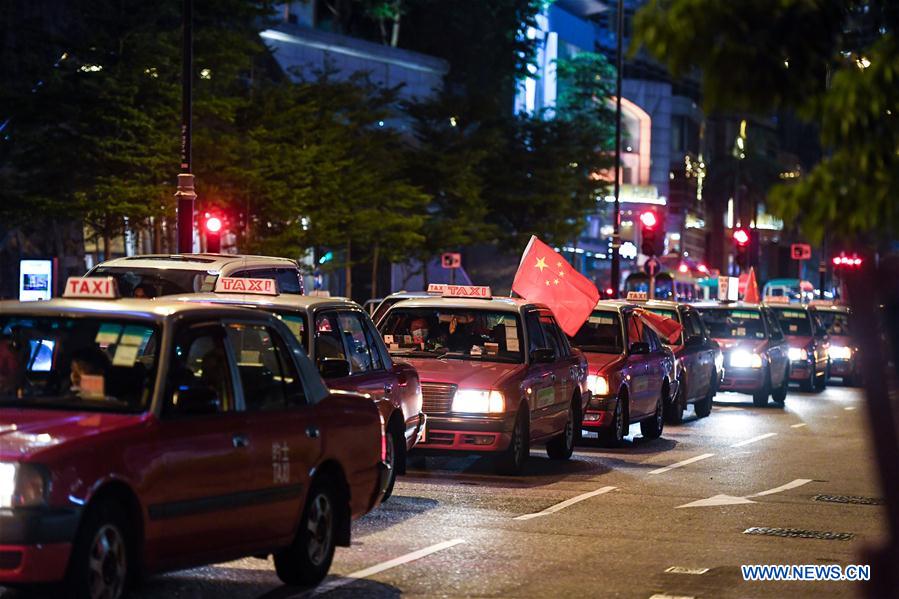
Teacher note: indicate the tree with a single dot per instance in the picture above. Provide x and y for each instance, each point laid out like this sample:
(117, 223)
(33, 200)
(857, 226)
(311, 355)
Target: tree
(835, 63)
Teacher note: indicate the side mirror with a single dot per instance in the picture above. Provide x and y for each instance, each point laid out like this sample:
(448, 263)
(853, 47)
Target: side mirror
(196, 400)
(543, 355)
(640, 347)
(333, 368)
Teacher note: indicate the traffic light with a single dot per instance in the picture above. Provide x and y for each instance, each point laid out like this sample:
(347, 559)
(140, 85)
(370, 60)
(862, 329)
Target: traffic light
(844, 261)
(212, 226)
(648, 232)
(741, 243)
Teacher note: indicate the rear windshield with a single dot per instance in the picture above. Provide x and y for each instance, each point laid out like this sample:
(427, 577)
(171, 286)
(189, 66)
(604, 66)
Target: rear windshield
(154, 282)
(600, 334)
(724, 323)
(98, 364)
(794, 322)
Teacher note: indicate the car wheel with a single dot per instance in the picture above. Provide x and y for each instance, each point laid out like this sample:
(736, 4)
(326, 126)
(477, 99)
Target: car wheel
(779, 395)
(651, 428)
(307, 560)
(808, 385)
(519, 450)
(99, 566)
(760, 397)
(395, 445)
(562, 446)
(704, 407)
(615, 434)
(674, 409)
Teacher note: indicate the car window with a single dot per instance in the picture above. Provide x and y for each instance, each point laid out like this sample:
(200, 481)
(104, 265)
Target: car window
(601, 333)
(548, 326)
(328, 340)
(775, 331)
(289, 281)
(735, 323)
(361, 359)
(649, 338)
(267, 374)
(296, 323)
(794, 321)
(375, 343)
(200, 363)
(535, 333)
(557, 335)
(635, 328)
(692, 325)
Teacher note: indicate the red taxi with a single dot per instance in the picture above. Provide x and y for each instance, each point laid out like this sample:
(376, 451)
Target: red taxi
(497, 374)
(808, 345)
(630, 373)
(843, 349)
(756, 359)
(139, 437)
(699, 360)
(340, 338)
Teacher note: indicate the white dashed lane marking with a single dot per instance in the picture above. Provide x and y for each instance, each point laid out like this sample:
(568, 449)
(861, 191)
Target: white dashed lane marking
(568, 502)
(682, 463)
(800, 425)
(754, 439)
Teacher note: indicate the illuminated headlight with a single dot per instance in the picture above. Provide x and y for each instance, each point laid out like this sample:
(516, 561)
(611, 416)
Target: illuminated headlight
(745, 359)
(838, 352)
(478, 401)
(796, 354)
(719, 361)
(598, 384)
(21, 485)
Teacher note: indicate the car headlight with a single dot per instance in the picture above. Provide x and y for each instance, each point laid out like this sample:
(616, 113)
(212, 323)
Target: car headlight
(22, 485)
(839, 352)
(745, 359)
(598, 384)
(478, 401)
(797, 353)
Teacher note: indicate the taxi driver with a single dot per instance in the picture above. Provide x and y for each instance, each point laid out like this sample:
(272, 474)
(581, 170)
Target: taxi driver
(419, 330)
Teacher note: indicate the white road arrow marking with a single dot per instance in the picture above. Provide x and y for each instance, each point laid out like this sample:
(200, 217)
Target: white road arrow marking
(561, 506)
(731, 500)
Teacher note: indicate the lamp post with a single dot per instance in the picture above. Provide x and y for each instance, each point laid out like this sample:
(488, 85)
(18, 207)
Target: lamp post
(616, 234)
(186, 194)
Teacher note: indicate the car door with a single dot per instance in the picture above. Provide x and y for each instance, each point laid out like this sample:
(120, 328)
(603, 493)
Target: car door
(539, 378)
(658, 366)
(641, 387)
(565, 370)
(778, 358)
(199, 506)
(699, 357)
(367, 371)
(282, 436)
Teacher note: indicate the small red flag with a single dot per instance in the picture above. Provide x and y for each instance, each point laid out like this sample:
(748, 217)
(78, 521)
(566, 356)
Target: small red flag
(751, 295)
(667, 328)
(544, 276)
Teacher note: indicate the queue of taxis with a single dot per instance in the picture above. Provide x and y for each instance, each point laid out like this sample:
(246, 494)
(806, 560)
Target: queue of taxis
(808, 342)
(700, 363)
(341, 340)
(756, 352)
(630, 373)
(143, 436)
(497, 374)
(843, 349)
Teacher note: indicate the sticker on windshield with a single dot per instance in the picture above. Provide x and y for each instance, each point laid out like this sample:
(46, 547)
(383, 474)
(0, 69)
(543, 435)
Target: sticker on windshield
(745, 315)
(793, 315)
(491, 348)
(135, 335)
(248, 356)
(512, 345)
(476, 350)
(125, 355)
(407, 339)
(511, 331)
(108, 334)
(793, 328)
(601, 320)
(92, 386)
(388, 339)
(740, 332)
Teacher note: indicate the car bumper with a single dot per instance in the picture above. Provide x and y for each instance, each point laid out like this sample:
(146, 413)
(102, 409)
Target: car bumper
(468, 434)
(416, 430)
(599, 414)
(35, 544)
(800, 371)
(745, 380)
(842, 368)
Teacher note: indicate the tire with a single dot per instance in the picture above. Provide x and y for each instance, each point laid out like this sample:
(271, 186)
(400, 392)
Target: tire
(562, 446)
(779, 395)
(614, 435)
(674, 409)
(100, 564)
(396, 446)
(808, 385)
(704, 407)
(307, 561)
(652, 427)
(516, 455)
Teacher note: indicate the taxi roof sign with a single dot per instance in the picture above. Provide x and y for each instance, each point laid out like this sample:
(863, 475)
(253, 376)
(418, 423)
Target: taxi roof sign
(437, 288)
(479, 292)
(637, 296)
(246, 285)
(91, 288)
(777, 299)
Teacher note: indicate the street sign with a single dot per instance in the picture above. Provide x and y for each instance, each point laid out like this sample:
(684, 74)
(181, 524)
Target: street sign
(451, 260)
(800, 251)
(35, 280)
(728, 289)
(652, 267)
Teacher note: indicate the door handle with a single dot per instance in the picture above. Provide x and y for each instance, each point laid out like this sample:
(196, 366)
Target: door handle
(239, 441)
(552, 378)
(387, 388)
(312, 431)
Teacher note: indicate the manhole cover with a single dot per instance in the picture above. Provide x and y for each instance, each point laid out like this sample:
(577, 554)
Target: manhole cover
(855, 499)
(799, 533)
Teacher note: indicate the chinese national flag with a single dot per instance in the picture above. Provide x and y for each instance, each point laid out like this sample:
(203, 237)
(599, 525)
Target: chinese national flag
(751, 296)
(666, 327)
(544, 276)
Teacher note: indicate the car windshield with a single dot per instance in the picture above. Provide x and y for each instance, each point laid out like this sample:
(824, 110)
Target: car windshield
(457, 333)
(672, 314)
(836, 323)
(733, 323)
(153, 282)
(600, 334)
(100, 364)
(794, 322)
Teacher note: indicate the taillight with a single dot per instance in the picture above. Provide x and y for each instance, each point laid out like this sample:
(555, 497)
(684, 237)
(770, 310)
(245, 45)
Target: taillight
(383, 437)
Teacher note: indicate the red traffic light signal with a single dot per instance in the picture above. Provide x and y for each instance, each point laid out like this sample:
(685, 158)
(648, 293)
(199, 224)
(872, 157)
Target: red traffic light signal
(844, 261)
(741, 237)
(648, 230)
(212, 226)
(649, 219)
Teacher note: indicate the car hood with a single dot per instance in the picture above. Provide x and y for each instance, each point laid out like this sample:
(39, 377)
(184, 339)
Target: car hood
(842, 340)
(25, 432)
(754, 345)
(602, 363)
(465, 373)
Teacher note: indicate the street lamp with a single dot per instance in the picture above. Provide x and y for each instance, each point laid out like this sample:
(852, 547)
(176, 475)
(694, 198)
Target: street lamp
(186, 195)
(616, 235)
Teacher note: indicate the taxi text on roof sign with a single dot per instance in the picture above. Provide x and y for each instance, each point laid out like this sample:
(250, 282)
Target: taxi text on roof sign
(436, 287)
(243, 285)
(467, 291)
(637, 296)
(94, 287)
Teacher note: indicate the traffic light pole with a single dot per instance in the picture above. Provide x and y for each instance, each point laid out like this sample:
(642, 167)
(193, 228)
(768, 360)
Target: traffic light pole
(186, 195)
(616, 235)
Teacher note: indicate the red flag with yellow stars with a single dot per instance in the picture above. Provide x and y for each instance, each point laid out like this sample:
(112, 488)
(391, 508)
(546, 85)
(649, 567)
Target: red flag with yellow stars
(546, 277)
